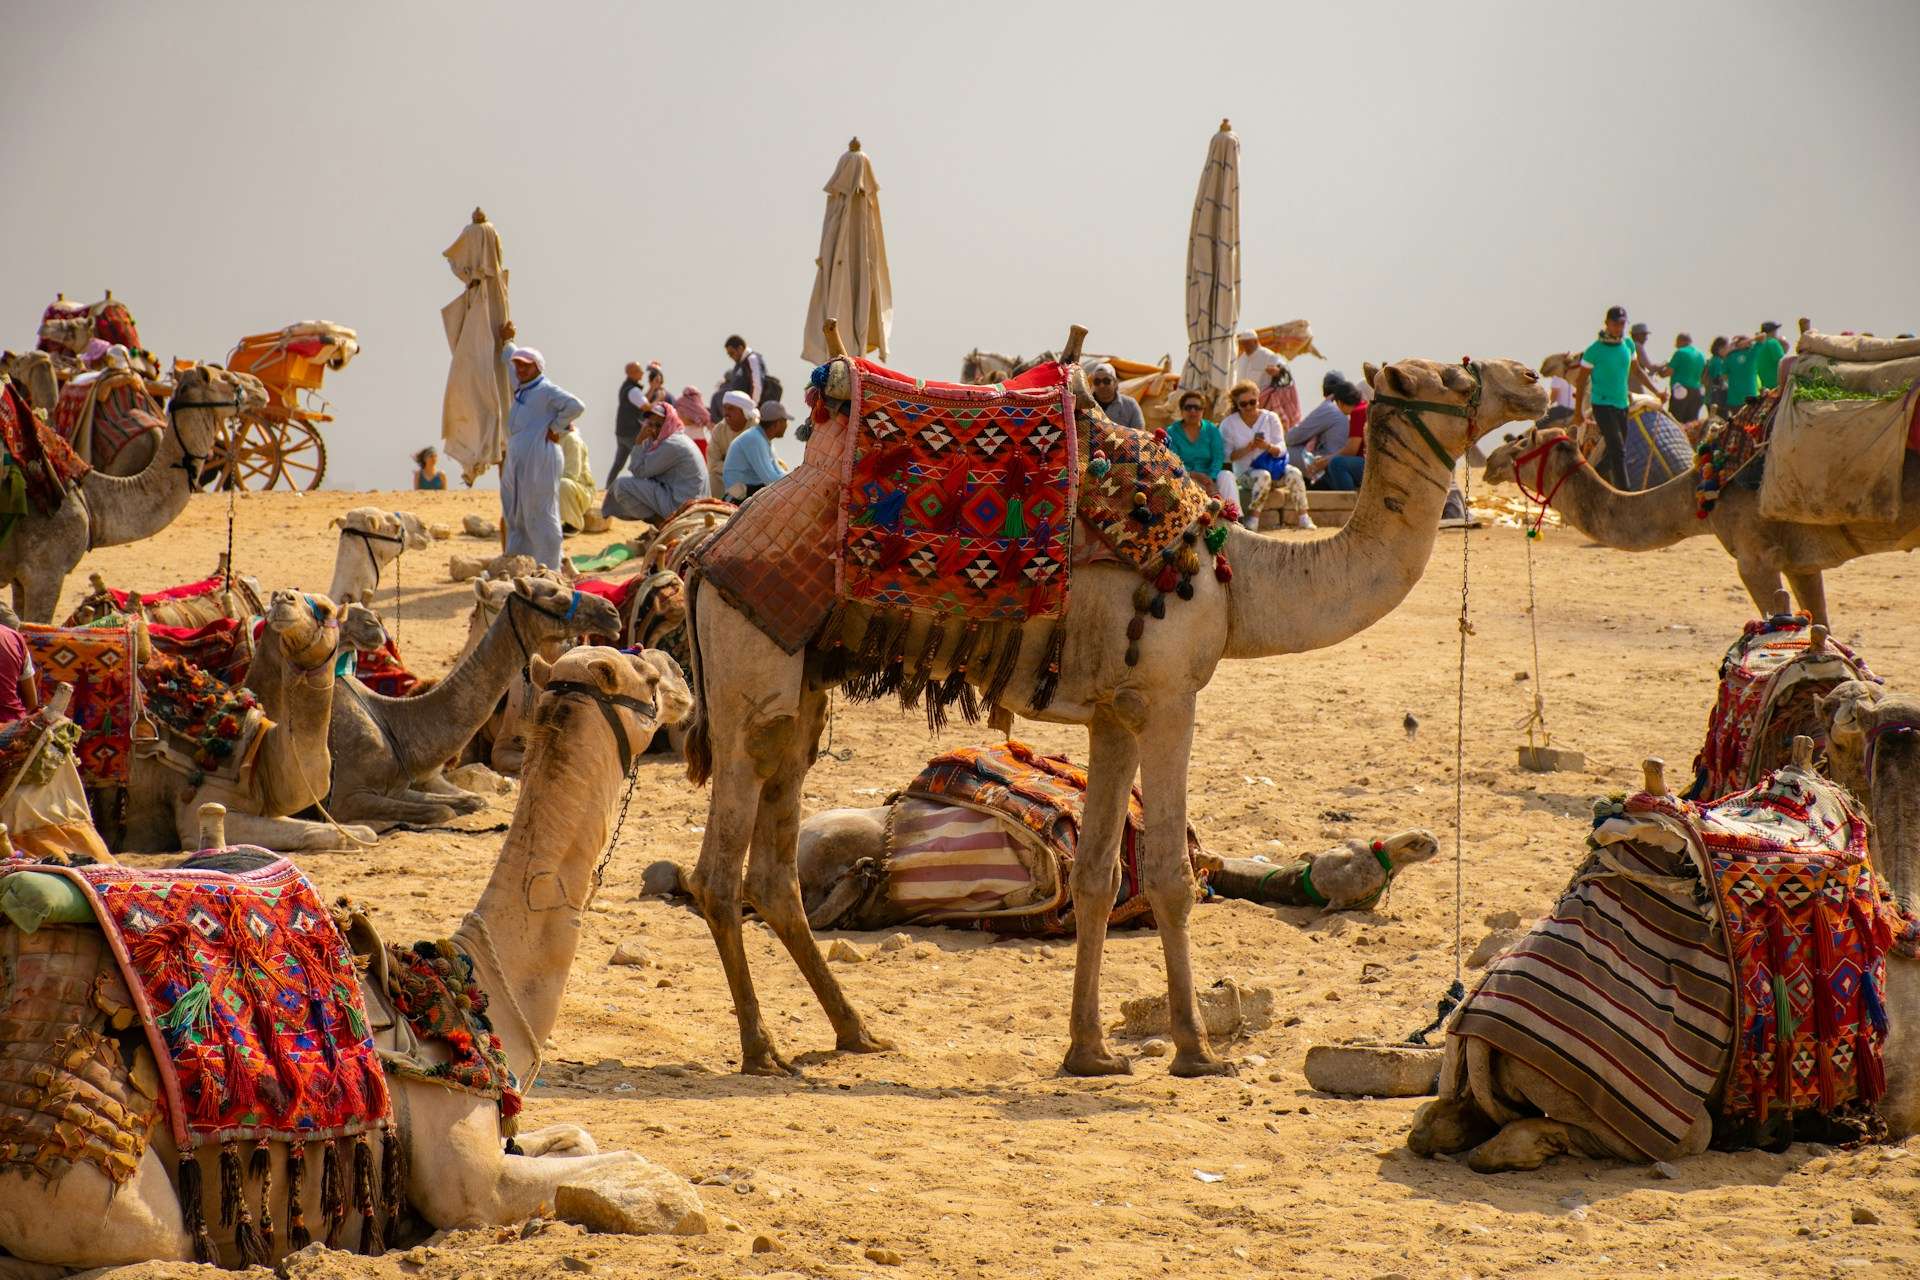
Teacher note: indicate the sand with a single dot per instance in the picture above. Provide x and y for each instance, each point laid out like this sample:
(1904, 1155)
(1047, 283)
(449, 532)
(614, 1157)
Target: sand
(964, 1152)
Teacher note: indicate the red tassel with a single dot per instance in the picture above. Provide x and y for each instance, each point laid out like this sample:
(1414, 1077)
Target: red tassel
(1221, 569)
(1167, 579)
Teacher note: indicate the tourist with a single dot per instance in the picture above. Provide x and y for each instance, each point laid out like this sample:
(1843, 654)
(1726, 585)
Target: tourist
(656, 382)
(1251, 360)
(1199, 446)
(666, 472)
(1767, 355)
(1278, 395)
(750, 465)
(19, 697)
(576, 483)
(1686, 370)
(1643, 368)
(1717, 377)
(1601, 378)
(530, 477)
(737, 414)
(426, 470)
(1121, 409)
(1333, 440)
(1743, 372)
(694, 417)
(629, 415)
(748, 375)
(1249, 432)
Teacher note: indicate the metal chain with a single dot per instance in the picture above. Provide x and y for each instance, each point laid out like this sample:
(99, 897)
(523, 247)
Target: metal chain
(229, 587)
(619, 822)
(1538, 714)
(1460, 730)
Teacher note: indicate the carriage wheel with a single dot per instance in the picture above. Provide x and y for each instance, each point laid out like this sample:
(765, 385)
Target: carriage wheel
(245, 455)
(303, 456)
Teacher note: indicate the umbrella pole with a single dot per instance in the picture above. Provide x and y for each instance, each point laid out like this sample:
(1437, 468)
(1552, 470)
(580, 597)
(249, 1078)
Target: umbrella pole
(830, 328)
(1070, 353)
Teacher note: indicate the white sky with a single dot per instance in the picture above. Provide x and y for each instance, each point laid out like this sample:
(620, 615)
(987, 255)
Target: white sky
(1416, 179)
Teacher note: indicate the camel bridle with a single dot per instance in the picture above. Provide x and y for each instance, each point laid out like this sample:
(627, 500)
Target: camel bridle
(189, 460)
(1409, 411)
(368, 537)
(1538, 455)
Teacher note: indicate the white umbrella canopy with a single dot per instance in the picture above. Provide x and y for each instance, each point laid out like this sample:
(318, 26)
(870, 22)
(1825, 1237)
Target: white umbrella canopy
(1213, 267)
(851, 282)
(473, 413)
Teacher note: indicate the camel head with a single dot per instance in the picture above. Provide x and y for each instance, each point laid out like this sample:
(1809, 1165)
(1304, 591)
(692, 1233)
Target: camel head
(1873, 749)
(226, 390)
(649, 676)
(1508, 392)
(1500, 463)
(564, 612)
(1404, 848)
(307, 627)
(361, 629)
(371, 539)
(33, 372)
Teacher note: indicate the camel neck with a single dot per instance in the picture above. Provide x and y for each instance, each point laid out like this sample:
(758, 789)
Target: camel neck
(295, 765)
(1292, 596)
(123, 509)
(535, 903)
(1893, 807)
(433, 726)
(1643, 521)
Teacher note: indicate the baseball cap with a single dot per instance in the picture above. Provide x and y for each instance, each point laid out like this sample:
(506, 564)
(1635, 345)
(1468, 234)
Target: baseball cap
(1616, 313)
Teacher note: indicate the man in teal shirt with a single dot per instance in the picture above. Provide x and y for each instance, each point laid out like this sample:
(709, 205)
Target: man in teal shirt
(1768, 353)
(1602, 378)
(1743, 372)
(1686, 369)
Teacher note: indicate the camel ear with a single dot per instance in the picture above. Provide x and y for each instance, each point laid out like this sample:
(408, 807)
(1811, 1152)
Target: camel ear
(671, 693)
(1371, 372)
(339, 522)
(1393, 380)
(539, 670)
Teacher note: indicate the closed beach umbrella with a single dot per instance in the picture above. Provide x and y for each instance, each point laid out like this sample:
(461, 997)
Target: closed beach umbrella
(473, 413)
(1213, 267)
(850, 281)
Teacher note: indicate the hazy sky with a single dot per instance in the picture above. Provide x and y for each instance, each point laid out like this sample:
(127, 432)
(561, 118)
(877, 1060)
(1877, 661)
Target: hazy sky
(1416, 179)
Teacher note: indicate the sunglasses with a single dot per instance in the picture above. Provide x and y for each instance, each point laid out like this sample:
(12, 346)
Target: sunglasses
(1245, 404)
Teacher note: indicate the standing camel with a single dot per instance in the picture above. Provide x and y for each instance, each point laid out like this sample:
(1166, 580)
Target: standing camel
(388, 752)
(107, 511)
(1547, 466)
(522, 936)
(761, 715)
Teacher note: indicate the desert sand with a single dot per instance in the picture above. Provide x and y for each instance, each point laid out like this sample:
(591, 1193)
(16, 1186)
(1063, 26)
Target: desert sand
(965, 1152)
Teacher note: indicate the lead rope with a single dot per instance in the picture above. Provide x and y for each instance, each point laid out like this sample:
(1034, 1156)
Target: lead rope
(1538, 715)
(1458, 991)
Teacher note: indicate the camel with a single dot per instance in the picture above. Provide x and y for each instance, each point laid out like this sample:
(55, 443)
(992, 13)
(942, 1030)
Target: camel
(388, 752)
(760, 717)
(522, 936)
(1547, 464)
(370, 540)
(238, 597)
(293, 677)
(107, 511)
(34, 373)
(1512, 1117)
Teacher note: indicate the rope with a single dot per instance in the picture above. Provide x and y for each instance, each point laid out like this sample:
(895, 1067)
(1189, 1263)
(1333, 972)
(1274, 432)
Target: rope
(1538, 714)
(827, 752)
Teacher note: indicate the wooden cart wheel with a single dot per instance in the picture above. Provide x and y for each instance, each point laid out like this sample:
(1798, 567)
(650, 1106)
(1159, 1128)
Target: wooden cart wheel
(303, 456)
(246, 454)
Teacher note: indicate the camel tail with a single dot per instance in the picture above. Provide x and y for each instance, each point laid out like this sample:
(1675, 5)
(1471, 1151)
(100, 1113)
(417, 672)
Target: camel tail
(698, 742)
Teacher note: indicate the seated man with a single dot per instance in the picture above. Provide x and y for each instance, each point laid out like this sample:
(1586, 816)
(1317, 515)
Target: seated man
(1331, 451)
(750, 465)
(665, 471)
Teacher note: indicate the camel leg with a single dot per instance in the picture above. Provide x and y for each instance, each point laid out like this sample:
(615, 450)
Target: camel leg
(1762, 584)
(715, 885)
(1168, 880)
(282, 835)
(1522, 1145)
(557, 1140)
(1113, 756)
(416, 808)
(773, 881)
(1810, 589)
(36, 600)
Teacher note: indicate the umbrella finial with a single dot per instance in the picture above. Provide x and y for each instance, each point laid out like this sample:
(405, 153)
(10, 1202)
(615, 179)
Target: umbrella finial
(830, 327)
(1076, 334)
(1226, 125)
(853, 144)
(479, 214)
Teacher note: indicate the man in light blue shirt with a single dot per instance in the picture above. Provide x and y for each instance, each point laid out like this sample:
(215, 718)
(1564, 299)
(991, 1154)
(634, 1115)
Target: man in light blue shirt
(530, 476)
(750, 464)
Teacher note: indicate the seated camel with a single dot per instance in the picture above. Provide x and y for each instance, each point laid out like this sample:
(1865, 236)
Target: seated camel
(116, 1192)
(389, 752)
(292, 676)
(370, 540)
(1548, 467)
(1561, 1051)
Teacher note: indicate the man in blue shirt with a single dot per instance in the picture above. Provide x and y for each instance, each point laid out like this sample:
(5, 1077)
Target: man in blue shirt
(750, 464)
(530, 476)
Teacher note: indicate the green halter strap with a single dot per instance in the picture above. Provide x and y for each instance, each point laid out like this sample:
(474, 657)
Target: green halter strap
(1411, 410)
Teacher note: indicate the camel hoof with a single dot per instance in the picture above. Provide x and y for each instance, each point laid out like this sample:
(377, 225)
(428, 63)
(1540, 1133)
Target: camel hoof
(767, 1063)
(864, 1041)
(1189, 1066)
(1095, 1062)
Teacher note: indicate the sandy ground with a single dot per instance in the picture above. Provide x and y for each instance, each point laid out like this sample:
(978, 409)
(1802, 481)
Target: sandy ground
(965, 1152)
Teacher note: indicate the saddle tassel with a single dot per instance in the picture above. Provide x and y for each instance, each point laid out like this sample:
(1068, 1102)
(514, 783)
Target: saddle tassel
(260, 1168)
(230, 1205)
(1048, 681)
(193, 1209)
(372, 1243)
(298, 1237)
(393, 1176)
(333, 1192)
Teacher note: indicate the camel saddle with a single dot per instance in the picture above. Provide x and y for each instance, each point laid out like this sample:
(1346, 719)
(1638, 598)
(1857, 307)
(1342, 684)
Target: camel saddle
(100, 416)
(37, 467)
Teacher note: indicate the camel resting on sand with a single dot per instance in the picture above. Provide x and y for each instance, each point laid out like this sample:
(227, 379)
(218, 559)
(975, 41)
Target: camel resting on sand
(761, 714)
(370, 540)
(388, 752)
(521, 936)
(1547, 465)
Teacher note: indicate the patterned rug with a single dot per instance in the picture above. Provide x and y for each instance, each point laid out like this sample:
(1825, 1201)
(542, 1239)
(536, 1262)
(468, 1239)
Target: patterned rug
(99, 662)
(1734, 450)
(381, 671)
(45, 462)
(1622, 994)
(1656, 448)
(1043, 796)
(208, 725)
(100, 417)
(255, 1017)
(1769, 684)
(19, 744)
(222, 648)
(958, 500)
(432, 986)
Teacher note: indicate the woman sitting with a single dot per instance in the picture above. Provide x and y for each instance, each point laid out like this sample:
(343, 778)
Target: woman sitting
(426, 470)
(666, 472)
(1197, 443)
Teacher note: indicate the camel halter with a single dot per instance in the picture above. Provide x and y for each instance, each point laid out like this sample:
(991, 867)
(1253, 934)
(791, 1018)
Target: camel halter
(1540, 493)
(367, 538)
(189, 460)
(526, 650)
(610, 705)
(1410, 411)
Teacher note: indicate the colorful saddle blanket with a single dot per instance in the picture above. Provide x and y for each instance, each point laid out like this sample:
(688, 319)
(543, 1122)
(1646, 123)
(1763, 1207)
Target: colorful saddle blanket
(431, 985)
(222, 648)
(101, 416)
(206, 725)
(43, 463)
(382, 671)
(954, 868)
(100, 663)
(1656, 448)
(1770, 681)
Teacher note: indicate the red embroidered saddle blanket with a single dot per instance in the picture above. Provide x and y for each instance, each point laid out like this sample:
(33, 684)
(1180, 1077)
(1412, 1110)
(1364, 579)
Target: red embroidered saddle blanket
(100, 417)
(222, 648)
(100, 662)
(382, 671)
(47, 465)
(1770, 680)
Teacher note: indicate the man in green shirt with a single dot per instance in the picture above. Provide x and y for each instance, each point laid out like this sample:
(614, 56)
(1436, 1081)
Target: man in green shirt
(1602, 378)
(1768, 353)
(1686, 370)
(1743, 372)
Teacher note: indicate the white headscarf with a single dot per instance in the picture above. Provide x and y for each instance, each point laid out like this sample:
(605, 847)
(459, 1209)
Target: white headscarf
(741, 401)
